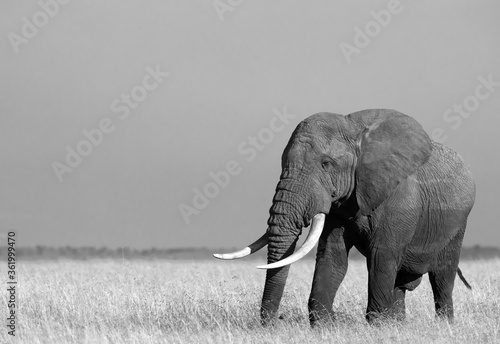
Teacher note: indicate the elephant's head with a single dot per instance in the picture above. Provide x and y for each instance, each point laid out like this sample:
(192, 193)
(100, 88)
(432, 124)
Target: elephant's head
(329, 160)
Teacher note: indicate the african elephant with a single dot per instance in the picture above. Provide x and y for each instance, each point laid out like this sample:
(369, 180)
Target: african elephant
(374, 180)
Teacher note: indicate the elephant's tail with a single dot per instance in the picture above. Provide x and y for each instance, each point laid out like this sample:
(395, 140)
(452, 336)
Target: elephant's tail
(459, 272)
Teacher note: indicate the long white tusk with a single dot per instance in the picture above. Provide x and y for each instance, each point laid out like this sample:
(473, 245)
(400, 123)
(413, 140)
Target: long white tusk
(317, 225)
(257, 245)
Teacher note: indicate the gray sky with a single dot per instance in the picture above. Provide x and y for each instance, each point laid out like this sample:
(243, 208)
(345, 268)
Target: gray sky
(227, 78)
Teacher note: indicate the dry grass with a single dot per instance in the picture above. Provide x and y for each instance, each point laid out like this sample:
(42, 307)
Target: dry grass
(218, 302)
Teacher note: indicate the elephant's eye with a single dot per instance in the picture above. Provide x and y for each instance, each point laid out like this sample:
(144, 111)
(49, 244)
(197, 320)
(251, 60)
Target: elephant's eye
(327, 165)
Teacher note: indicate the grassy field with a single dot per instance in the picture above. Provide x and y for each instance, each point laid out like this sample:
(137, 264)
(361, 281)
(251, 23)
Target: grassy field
(217, 302)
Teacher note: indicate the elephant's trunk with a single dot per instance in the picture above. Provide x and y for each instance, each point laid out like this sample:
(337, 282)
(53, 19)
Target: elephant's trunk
(285, 222)
(276, 278)
(276, 275)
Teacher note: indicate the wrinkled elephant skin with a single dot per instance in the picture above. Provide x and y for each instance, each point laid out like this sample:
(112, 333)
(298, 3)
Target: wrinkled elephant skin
(385, 188)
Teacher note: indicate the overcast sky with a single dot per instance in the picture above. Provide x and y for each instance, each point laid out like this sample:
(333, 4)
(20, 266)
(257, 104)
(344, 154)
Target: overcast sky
(177, 88)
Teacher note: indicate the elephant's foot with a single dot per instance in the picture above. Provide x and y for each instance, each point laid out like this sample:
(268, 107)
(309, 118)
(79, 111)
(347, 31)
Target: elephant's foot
(377, 318)
(445, 313)
(399, 314)
(396, 313)
(319, 313)
(321, 319)
(268, 317)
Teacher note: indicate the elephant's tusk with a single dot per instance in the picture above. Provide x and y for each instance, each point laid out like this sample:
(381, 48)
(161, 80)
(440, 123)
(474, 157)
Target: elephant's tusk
(250, 249)
(317, 225)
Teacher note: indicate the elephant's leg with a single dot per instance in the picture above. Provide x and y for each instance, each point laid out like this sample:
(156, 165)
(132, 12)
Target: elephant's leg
(331, 267)
(399, 307)
(404, 282)
(382, 271)
(442, 282)
(442, 277)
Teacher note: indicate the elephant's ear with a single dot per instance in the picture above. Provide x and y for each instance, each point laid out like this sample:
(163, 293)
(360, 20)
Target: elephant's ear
(390, 150)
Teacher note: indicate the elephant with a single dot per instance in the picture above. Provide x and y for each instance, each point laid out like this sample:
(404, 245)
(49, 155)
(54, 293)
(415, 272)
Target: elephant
(373, 180)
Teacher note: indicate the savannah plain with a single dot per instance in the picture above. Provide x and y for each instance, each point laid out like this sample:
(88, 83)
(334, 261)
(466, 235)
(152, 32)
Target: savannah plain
(161, 301)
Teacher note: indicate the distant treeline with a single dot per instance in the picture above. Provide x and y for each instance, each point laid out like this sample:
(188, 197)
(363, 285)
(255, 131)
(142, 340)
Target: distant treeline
(85, 253)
